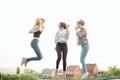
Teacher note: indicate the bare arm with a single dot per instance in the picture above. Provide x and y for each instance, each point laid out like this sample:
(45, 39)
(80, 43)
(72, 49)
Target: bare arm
(34, 29)
(68, 32)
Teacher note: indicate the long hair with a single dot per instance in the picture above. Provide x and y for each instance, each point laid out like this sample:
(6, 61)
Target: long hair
(37, 22)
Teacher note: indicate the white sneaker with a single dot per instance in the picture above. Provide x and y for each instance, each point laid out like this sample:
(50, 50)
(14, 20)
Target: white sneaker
(85, 75)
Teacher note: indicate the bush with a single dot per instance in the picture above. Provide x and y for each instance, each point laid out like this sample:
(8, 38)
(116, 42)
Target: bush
(112, 72)
(28, 77)
(9, 77)
(20, 77)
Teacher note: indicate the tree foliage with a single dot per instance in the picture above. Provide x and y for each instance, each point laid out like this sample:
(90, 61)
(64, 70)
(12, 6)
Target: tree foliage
(113, 71)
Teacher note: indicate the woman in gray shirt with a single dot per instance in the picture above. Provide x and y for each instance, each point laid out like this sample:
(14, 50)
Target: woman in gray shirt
(61, 45)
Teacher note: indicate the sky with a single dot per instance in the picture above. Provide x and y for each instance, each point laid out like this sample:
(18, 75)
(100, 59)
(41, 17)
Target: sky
(101, 18)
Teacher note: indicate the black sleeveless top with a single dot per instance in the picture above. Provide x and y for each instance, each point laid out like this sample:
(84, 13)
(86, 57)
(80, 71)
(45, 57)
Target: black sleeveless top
(37, 34)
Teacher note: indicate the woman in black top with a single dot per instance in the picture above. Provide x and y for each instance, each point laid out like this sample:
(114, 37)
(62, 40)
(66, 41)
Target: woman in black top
(36, 30)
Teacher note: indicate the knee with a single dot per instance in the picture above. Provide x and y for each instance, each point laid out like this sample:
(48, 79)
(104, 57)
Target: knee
(59, 58)
(64, 60)
(40, 58)
(82, 60)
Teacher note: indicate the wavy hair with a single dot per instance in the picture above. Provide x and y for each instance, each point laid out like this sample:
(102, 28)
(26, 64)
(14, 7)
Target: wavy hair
(37, 22)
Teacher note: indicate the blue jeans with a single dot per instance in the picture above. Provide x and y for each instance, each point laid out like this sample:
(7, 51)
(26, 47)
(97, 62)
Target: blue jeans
(34, 45)
(84, 51)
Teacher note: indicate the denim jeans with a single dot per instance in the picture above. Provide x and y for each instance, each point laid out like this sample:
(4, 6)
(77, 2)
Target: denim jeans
(84, 51)
(34, 45)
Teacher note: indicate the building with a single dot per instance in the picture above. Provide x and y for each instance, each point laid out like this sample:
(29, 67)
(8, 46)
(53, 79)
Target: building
(92, 69)
(51, 73)
(47, 72)
(73, 71)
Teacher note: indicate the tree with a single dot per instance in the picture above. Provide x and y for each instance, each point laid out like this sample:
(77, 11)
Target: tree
(112, 72)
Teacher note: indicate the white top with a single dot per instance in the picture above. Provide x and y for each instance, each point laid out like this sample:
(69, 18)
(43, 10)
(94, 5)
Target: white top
(61, 35)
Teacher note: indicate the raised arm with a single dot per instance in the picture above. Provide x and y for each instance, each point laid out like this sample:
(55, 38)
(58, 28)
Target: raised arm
(34, 29)
(81, 33)
(42, 28)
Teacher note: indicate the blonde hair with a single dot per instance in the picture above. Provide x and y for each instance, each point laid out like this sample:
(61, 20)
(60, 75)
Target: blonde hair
(37, 22)
(42, 19)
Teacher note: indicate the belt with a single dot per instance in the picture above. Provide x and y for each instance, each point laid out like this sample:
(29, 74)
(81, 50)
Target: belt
(36, 38)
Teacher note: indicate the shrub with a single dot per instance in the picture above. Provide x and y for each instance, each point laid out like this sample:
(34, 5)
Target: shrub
(112, 72)
(28, 77)
(9, 77)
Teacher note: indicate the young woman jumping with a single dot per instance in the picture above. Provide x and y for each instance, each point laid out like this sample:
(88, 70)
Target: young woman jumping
(36, 30)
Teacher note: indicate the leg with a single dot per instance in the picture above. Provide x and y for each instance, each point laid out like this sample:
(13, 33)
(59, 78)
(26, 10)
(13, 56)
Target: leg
(84, 51)
(65, 50)
(58, 49)
(34, 45)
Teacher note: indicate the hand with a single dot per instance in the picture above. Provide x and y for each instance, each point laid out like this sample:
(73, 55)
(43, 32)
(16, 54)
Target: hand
(76, 28)
(42, 28)
(67, 26)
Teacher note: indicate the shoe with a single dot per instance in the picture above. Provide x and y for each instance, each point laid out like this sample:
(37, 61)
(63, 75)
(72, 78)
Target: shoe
(55, 73)
(64, 74)
(85, 75)
(24, 61)
(56, 70)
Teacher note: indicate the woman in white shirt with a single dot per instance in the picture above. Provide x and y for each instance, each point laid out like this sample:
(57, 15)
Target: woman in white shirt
(61, 45)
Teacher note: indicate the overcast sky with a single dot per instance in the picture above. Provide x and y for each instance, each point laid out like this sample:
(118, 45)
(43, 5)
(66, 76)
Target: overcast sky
(102, 21)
